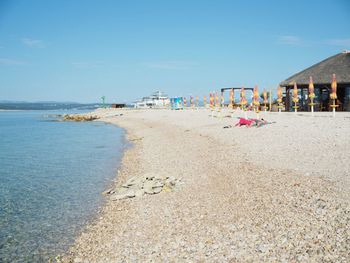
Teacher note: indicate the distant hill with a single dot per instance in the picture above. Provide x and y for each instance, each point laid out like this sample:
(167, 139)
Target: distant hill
(47, 105)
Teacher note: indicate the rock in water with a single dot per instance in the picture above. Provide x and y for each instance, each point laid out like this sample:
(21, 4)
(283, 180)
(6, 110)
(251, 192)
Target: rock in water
(78, 117)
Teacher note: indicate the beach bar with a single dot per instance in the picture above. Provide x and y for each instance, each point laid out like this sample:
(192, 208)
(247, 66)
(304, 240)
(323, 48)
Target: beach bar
(321, 74)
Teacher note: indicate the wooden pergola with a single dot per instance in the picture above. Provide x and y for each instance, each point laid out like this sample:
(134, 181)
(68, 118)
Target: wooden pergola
(234, 88)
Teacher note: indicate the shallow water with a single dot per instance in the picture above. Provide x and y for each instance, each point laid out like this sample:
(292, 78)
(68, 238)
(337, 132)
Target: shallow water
(51, 178)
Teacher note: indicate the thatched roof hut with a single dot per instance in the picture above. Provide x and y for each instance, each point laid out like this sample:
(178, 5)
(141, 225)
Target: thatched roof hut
(321, 73)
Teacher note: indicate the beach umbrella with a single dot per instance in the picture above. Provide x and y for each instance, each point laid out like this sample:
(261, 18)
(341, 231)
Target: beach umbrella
(232, 97)
(295, 96)
(311, 89)
(205, 101)
(243, 98)
(232, 100)
(219, 102)
(311, 94)
(211, 100)
(197, 101)
(243, 102)
(256, 101)
(265, 98)
(333, 94)
(216, 99)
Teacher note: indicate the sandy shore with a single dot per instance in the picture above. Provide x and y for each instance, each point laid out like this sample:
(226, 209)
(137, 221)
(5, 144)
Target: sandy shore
(279, 193)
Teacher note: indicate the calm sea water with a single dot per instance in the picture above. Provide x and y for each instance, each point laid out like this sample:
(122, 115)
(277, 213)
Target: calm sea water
(51, 178)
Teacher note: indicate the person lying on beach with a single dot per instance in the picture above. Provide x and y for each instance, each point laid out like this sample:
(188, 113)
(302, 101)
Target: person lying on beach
(259, 123)
(250, 122)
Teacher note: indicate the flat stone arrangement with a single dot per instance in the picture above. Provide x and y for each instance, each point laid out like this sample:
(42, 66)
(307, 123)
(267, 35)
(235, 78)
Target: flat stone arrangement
(147, 184)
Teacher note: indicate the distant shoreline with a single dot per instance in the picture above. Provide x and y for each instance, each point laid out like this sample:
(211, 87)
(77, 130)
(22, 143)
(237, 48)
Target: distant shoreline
(11, 110)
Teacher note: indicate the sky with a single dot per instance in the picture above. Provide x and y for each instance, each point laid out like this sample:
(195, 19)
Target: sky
(80, 50)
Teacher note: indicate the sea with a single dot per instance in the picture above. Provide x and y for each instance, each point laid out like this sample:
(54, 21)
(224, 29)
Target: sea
(52, 174)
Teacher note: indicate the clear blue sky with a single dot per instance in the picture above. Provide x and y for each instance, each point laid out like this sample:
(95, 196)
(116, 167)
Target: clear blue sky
(81, 50)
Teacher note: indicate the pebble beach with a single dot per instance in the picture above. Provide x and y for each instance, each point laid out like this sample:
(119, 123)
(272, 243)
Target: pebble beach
(277, 193)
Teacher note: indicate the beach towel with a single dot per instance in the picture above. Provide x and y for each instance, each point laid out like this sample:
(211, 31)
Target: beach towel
(243, 121)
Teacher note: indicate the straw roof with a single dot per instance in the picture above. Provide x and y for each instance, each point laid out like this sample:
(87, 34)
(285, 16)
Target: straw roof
(322, 71)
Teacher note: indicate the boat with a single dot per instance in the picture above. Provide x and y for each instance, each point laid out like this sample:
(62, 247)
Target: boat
(157, 99)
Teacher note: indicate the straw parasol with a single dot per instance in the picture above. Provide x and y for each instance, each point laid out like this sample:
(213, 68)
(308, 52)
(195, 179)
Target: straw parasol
(295, 97)
(243, 98)
(265, 98)
(333, 94)
(311, 94)
(232, 97)
(256, 98)
(243, 102)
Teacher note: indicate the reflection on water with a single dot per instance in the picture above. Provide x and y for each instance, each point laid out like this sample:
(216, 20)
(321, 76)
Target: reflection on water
(52, 175)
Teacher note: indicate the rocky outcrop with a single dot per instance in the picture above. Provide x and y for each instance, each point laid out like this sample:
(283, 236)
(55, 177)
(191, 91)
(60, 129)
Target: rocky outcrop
(148, 184)
(78, 117)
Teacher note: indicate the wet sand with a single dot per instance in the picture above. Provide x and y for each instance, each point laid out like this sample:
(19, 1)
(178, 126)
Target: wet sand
(275, 193)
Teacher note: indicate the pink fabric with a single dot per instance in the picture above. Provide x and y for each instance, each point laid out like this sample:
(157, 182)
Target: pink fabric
(243, 121)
